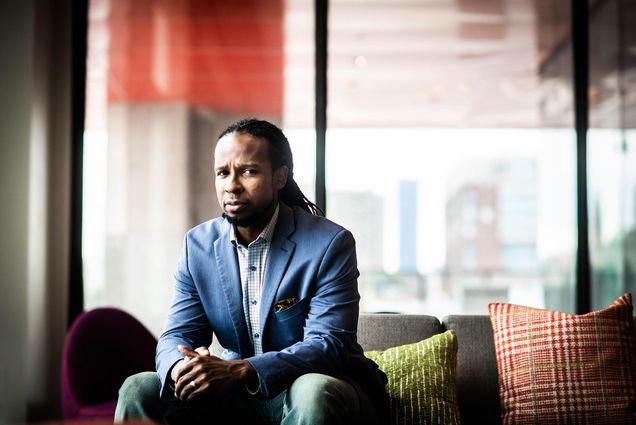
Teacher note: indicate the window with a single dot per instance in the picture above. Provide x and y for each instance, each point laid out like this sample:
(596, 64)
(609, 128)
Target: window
(450, 124)
(612, 150)
(164, 78)
(450, 149)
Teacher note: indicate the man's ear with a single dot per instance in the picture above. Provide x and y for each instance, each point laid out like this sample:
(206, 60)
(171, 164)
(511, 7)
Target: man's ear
(280, 177)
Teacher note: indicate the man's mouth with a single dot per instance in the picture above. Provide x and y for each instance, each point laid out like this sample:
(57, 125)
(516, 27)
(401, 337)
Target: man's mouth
(234, 206)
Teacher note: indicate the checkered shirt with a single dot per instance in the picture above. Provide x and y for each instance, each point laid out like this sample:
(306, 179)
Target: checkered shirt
(252, 260)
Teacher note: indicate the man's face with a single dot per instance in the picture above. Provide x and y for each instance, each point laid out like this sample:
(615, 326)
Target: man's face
(246, 186)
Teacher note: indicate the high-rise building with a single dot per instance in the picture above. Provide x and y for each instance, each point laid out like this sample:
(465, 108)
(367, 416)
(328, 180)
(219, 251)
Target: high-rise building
(361, 214)
(491, 228)
(408, 226)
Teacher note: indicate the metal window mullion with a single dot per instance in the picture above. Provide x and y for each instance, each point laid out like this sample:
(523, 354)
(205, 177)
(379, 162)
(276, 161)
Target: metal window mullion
(580, 62)
(321, 15)
(78, 98)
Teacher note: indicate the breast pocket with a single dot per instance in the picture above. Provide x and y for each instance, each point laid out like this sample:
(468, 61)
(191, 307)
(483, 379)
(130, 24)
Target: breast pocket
(301, 307)
(287, 326)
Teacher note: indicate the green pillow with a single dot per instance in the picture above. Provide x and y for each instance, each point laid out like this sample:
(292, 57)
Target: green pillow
(421, 380)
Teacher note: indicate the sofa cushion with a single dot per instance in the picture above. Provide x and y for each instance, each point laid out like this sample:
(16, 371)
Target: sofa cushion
(421, 383)
(379, 331)
(562, 368)
(477, 387)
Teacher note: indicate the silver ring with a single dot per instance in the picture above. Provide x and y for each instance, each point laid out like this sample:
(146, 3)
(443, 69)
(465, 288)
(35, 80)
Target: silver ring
(193, 384)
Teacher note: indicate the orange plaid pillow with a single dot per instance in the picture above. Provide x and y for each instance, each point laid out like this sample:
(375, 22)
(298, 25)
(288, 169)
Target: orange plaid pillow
(563, 368)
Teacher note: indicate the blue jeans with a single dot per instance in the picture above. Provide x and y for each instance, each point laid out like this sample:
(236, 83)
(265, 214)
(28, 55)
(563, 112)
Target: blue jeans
(313, 399)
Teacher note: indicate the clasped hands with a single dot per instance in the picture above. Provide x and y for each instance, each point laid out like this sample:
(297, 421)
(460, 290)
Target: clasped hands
(200, 373)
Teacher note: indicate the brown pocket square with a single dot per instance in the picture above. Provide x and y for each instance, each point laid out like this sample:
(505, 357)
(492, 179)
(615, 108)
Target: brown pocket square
(284, 304)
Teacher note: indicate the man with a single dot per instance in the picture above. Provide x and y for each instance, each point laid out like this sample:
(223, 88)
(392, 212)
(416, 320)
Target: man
(277, 285)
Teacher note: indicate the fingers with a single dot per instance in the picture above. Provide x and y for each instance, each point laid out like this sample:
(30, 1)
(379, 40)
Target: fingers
(183, 386)
(185, 375)
(199, 360)
(199, 351)
(196, 390)
(191, 390)
(188, 355)
(191, 371)
(188, 389)
(176, 369)
(203, 351)
(187, 351)
(199, 370)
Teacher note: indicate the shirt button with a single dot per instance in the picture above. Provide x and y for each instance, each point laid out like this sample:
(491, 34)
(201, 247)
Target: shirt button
(253, 268)
(256, 336)
(254, 302)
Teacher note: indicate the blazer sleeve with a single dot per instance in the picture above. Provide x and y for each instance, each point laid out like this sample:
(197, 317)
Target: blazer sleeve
(330, 326)
(187, 324)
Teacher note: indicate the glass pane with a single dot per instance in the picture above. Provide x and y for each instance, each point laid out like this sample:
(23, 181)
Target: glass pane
(164, 78)
(612, 149)
(450, 153)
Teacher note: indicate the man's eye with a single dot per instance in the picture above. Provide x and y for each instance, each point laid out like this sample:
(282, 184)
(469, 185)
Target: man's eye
(221, 173)
(250, 171)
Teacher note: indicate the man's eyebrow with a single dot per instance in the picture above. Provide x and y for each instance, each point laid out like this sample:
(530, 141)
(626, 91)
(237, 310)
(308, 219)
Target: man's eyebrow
(240, 165)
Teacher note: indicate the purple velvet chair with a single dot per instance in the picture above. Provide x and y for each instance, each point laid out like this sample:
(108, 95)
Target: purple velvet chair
(102, 348)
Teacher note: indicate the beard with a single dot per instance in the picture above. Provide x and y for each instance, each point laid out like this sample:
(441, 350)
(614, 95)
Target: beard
(253, 220)
(256, 219)
(250, 221)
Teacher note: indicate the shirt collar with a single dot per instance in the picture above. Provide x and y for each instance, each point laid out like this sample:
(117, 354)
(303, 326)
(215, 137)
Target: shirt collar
(266, 234)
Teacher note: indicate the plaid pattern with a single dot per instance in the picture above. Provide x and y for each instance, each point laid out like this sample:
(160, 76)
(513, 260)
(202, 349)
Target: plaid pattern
(557, 368)
(252, 260)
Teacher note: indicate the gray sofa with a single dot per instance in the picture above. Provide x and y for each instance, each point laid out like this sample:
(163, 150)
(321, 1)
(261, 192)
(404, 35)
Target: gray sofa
(477, 385)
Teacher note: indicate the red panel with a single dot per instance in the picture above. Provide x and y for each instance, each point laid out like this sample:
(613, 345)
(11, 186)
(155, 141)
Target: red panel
(220, 54)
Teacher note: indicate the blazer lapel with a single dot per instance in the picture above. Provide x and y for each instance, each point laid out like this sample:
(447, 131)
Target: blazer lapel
(280, 253)
(228, 268)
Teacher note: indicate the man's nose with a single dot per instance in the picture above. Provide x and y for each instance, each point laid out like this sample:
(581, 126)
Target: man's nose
(233, 184)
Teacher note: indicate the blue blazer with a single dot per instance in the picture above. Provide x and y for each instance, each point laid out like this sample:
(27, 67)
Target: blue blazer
(312, 260)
